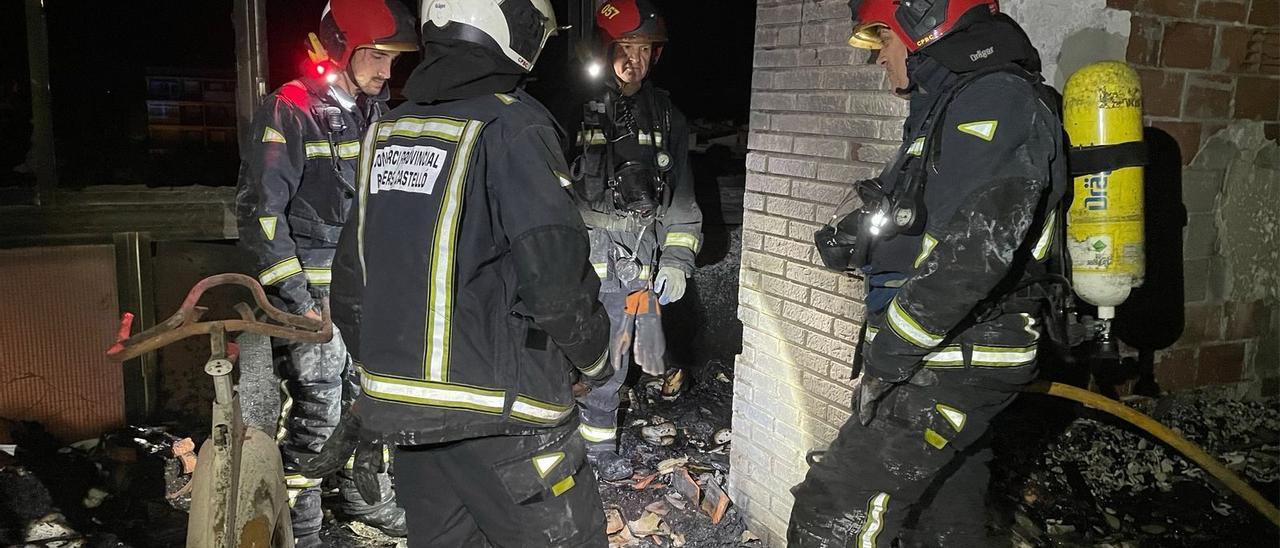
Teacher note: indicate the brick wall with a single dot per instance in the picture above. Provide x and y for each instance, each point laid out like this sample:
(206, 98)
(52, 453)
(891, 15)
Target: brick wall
(820, 119)
(1204, 65)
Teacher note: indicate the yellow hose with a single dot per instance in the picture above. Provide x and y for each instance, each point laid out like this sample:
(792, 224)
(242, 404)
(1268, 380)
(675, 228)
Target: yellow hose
(1191, 450)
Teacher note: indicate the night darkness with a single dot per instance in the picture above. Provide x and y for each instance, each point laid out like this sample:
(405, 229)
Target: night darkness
(99, 62)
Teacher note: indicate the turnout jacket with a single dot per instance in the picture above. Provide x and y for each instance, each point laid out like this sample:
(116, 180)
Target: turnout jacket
(991, 201)
(297, 183)
(676, 234)
(462, 280)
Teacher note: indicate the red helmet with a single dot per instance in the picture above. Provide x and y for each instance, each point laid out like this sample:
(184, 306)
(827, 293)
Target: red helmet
(917, 23)
(632, 20)
(348, 25)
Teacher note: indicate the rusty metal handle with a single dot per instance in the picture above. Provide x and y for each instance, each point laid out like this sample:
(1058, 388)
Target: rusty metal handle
(186, 321)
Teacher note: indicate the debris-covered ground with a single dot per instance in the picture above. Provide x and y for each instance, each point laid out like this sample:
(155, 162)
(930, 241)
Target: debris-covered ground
(1060, 479)
(1072, 478)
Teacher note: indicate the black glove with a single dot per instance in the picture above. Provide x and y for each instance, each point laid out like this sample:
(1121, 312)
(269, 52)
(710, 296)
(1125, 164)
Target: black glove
(350, 437)
(871, 389)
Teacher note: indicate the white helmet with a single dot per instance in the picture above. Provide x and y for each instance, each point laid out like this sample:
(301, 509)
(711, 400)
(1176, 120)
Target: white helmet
(518, 29)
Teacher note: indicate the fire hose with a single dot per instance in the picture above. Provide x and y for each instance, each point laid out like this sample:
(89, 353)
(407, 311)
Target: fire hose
(1228, 478)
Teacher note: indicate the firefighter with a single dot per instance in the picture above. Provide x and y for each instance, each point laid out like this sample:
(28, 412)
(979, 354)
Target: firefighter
(634, 187)
(295, 191)
(464, 287)
(955, 238)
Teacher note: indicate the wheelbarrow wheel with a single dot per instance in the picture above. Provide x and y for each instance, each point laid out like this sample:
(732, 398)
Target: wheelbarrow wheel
(259, 385)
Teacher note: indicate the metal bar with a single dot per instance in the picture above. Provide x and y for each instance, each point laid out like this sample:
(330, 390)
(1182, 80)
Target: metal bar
(41, 104)
(251, 60)
(135, 293)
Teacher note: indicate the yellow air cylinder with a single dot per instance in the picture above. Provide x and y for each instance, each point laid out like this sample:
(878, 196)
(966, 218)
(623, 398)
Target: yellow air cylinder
(1102, 105)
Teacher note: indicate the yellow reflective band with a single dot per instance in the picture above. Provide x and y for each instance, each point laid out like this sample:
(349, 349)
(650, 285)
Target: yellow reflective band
(432, 394)
(348, 150)
(926, 247)
(999, 356)
(954, 416)
(351, 461)
(539, 412)
(645, 138)
(591, 137)
(602, 269)
(682, 239)
(951, 356)
(596, 367)
(506, 99)
(544, 463)
(280, 271)
(440, 293)
(286, 406)
(983, 129)
(319, 276)
(875, 520)
(657, 138)
(596, 434)
(871, 334)
(295, 481)
(268, 225)
(646, 272)
(270, 135)
(444, 129)
(563, 485)
(935, 439)
(916, 148)
(362, 194)
(1046, 236)
(909, 329)
(317, 149)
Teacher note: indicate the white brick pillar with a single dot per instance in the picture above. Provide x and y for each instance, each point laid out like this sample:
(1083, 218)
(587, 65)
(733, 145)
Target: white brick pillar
(820, 119)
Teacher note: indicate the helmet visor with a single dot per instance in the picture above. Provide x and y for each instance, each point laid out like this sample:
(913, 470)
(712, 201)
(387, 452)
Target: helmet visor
(867, 36)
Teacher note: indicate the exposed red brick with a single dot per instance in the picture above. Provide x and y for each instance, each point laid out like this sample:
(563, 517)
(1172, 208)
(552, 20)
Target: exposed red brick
(1209, 129)
(1187, 45)
(1172, 8)
(1127, 5)
(1271, 131)
(1223, 10)
(1221, 364)
(1257, 98)
(1246, 320)
(1202, 323)
(1144, 40)
(1265, 13)
(1233, 48)
(1176, 369)
(1161, 92)
(1208, 96)
(1188, 136)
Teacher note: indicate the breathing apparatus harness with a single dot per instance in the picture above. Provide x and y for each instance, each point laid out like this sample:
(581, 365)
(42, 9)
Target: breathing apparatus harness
(845, 243)
(630, 187)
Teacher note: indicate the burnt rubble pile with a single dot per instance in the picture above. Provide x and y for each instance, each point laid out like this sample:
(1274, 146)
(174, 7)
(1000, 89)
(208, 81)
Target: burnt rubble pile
(1099, 482)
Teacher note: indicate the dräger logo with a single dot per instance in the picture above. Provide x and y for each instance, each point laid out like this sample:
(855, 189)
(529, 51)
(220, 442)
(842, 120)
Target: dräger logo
(982, 54)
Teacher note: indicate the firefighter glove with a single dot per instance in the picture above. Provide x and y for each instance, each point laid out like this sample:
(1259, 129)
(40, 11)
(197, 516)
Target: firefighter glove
(348, 438)
(669, 284)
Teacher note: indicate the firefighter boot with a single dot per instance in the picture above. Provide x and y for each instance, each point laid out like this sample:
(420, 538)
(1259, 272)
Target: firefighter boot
(385, 516)
(608, 464)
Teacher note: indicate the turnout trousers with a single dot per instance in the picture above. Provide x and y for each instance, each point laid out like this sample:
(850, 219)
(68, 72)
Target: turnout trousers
(918, 473)
(531, 491)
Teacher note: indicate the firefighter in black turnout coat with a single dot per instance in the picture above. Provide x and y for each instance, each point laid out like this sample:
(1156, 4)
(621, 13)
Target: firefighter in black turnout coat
(634, 187)
(464, 289)
(952, 237)
(297, 182)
